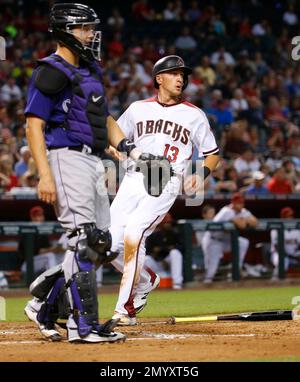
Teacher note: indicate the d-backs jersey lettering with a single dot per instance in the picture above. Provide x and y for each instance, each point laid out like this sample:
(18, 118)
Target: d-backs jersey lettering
(168, 130)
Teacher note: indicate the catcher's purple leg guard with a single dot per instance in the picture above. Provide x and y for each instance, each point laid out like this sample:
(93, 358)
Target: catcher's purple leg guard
(84, 294)
(83, 289)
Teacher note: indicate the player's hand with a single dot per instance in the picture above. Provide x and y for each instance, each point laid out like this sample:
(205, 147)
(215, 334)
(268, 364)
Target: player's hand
(193, 184)
(114, 153)
(47, 189)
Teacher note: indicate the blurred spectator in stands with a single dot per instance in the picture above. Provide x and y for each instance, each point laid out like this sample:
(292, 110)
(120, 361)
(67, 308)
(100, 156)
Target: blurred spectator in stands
(222, 56)
(292, 174)
(293, 86)
(205, 72)
(291, 244)
(142, 11)
(169, 13)
(250, 88)
(254, 115)
(245, 27)
(279, 184)
(185, 42)
(180, 12)
(233, 178)
(238, 103)
(290, 17)
(293, 145)
(260, 67)
(8, 178)
(10, 91)
(116, 21)
(260, 28)
(22, 165)
(295, 110)
(215, 98)
(236, 139)
(274, 159)
(29, 180)
(137, 92)
(258, 184)
(216, 179)
(115, 47)
(225, 179)
(218, 25)
(215, 243)
(246, 163)
(19, 133)
(192, 90)
(265, 169)
(276, 118)
(243, 69)
(149, 52)
(46, 255)
(193, 13)
(164, 251)
(222, 116)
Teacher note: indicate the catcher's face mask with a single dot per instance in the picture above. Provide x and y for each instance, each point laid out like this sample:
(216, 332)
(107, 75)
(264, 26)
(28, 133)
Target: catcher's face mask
(88, 35)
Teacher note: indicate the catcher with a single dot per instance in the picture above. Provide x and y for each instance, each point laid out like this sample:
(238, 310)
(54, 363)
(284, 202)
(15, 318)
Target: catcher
(68, 127)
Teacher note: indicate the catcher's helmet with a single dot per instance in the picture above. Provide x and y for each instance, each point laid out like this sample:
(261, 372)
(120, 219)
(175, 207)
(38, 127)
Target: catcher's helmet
(168, 63)
(65, 16)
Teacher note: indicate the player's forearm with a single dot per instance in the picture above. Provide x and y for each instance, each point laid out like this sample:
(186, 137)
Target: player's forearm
(36, 143)
(210, 163)
(240, 223)
(252, 221)
(119, 141)
(115, 134)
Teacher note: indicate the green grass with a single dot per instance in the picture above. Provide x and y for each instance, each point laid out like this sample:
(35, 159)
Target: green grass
(189, 303)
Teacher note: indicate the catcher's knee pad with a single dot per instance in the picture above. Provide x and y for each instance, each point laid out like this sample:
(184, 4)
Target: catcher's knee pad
(43, 284)
(94, 245)
(85, 304)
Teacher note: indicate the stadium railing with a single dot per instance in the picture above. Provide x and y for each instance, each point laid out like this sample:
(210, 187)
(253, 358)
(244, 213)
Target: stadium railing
(188, 226)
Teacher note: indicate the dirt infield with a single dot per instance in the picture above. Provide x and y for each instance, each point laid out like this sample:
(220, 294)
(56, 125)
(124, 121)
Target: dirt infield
(213, 341)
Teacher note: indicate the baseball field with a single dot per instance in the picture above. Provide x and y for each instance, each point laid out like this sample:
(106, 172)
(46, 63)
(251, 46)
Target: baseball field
(154, 340)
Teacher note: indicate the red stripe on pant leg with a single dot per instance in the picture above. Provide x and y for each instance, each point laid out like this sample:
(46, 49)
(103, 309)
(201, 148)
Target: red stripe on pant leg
(129, 304)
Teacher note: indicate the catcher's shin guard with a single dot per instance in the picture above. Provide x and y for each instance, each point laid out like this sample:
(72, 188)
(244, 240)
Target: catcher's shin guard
(83, 291)
(85, 304)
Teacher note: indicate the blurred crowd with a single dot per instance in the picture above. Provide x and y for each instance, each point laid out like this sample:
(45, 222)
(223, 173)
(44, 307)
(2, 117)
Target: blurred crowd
(244, 79)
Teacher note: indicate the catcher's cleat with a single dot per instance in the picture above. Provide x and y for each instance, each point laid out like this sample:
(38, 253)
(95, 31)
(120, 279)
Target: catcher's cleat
(124, 320)
(47, 329)
(95, 337)
(142, 292)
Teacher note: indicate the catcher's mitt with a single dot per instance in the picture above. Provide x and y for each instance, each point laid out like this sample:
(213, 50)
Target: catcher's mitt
(157, 172)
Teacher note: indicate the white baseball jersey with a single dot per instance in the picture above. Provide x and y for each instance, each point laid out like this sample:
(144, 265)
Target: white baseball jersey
(291, 241)
(227, 214)
(168, 130)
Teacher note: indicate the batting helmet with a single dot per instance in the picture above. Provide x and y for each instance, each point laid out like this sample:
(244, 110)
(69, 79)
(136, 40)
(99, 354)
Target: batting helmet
(64, 17)
(168, 63)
